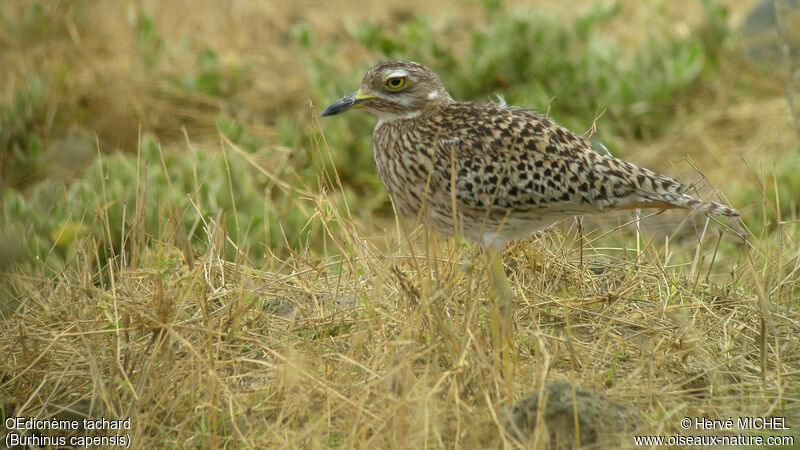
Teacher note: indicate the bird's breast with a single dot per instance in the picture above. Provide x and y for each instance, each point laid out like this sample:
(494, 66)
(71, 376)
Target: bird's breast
(404, 165)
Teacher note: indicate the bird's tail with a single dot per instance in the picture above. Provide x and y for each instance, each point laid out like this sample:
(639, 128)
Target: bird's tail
(674, 200)
(652, 190)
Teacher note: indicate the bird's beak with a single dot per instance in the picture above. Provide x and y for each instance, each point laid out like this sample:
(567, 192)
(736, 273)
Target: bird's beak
(348, 102)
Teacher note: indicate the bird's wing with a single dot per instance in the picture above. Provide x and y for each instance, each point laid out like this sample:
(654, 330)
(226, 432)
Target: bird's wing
(509, 159)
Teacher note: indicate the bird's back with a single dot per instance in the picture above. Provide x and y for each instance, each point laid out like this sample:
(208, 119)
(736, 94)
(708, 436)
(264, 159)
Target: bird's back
(509, 172)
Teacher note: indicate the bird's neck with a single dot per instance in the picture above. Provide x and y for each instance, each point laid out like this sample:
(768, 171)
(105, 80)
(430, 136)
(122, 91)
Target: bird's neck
(410, 116)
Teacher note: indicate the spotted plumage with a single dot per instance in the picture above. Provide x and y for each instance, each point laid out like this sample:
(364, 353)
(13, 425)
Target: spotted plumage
(506, 171)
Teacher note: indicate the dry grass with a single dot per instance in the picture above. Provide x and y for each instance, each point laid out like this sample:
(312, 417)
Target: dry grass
(385, 344)
(391, 349)
(388, 345)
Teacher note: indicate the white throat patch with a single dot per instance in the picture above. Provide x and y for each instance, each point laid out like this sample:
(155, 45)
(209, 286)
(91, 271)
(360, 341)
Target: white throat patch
(384, 117)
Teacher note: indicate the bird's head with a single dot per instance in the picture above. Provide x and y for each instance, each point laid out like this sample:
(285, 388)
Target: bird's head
(395, 90)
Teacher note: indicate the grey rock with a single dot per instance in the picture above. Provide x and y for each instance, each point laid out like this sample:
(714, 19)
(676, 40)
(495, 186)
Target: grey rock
(760, 30)
(282, 307)
(599, 418)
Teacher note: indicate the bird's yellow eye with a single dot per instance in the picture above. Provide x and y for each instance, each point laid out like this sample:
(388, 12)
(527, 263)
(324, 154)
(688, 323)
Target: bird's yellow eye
(395, 83)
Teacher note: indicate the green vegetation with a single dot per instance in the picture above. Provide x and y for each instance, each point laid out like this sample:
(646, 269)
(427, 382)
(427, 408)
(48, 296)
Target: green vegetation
(20, 134)
(119, 193)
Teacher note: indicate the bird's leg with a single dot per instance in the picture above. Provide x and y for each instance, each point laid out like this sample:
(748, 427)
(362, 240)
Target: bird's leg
(502, 297)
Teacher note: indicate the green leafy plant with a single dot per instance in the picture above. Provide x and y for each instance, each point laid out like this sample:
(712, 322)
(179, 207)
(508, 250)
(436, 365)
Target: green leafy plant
(21, 143)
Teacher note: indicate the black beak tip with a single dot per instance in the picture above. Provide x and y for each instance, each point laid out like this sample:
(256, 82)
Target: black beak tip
(330, 111)
(340, 106)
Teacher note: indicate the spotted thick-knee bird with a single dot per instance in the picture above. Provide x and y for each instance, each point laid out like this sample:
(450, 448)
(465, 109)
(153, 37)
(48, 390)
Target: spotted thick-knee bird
(489, 172)
(493, 173)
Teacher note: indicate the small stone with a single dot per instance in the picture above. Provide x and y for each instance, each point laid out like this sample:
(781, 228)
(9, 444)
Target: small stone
(282, 307)
(599, 418)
